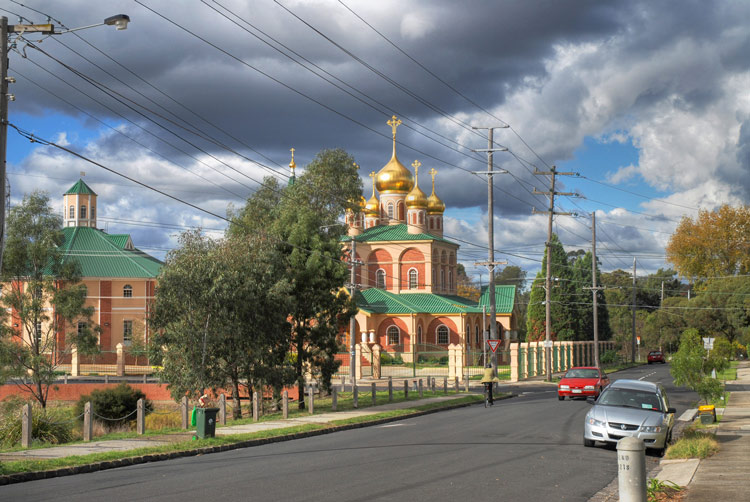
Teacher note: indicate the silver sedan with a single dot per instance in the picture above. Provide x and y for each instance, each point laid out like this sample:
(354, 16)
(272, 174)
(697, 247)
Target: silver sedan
(631, 408)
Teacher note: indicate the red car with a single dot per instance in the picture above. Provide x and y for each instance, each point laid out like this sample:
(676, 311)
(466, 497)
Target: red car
(656, 356)
(582, 381)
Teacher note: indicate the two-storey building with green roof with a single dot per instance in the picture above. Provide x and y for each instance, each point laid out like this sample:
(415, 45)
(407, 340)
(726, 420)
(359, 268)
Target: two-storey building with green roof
(407, 273)
(119, 277)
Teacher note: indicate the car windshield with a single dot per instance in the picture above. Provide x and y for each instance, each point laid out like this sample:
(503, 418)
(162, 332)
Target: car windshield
(629, 398)
(582, 373)
(656, 353)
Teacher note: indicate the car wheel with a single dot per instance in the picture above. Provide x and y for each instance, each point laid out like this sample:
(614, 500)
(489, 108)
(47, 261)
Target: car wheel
(561, 398)
(588, 443)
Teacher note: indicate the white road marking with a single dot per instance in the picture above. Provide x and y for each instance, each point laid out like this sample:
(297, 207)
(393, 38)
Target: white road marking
(647, 375)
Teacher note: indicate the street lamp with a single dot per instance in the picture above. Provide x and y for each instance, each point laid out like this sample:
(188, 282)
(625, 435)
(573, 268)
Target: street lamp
(119, 21)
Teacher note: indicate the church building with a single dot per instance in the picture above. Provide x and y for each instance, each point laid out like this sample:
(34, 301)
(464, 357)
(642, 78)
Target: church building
(407, 269)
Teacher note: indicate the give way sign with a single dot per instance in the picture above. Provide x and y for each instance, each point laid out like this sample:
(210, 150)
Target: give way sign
(494, 344)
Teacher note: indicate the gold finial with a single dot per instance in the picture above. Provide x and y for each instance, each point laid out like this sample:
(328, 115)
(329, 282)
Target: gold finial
(292, 164)
(433, 173)
(416, 165)
(394, 123)
(372, 175)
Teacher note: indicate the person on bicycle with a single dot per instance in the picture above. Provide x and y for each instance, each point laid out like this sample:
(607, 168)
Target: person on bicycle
(488, 380)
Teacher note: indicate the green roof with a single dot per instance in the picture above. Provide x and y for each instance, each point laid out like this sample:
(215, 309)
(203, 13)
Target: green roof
(379, 301)
(80, 188)
(103, 255)
(400, 232)
(505, 297)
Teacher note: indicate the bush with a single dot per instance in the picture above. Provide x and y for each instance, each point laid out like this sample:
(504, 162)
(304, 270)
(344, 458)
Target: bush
(50, 426)
(609, 357)
(163, 420)
(386, 358)
(115, 406)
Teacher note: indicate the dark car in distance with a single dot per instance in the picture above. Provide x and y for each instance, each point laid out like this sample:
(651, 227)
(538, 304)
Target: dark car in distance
(656, 356)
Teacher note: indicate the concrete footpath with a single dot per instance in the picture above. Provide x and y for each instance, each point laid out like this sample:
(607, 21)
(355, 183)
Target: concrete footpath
(145, 442)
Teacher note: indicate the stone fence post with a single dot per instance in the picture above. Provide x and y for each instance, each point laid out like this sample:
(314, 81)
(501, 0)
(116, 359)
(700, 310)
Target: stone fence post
(358, 360)
(120, 360)
(140, 417)
(26, 426)
(451, 361)
(513, 362)
(75, 364)
(376, 361)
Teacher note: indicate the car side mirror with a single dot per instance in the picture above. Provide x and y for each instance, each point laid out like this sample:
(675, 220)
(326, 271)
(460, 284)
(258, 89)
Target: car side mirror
(671, 410)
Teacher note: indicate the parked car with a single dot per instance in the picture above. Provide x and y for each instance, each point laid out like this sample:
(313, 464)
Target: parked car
(582, 381)
(631, 408)
(656, 356)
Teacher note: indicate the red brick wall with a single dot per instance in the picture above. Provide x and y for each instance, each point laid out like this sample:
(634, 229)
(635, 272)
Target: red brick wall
(412, 258)
(431, 333)
(105, 310)
(382, 337)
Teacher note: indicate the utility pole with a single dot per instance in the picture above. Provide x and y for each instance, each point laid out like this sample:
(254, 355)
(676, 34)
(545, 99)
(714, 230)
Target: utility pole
(548, 280)
(353, 321)
(490, 263)
(632, 356)
(594, 289)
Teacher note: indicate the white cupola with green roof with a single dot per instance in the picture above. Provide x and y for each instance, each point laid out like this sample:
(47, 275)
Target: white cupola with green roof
(79, 206)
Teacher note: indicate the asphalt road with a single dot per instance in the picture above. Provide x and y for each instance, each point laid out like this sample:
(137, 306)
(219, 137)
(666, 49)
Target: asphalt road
(525, 448)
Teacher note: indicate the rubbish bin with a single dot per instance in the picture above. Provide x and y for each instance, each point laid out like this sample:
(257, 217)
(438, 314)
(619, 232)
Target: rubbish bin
(707, 414)
(205, 419)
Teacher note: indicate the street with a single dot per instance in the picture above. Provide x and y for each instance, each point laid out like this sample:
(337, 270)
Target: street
(525, 448)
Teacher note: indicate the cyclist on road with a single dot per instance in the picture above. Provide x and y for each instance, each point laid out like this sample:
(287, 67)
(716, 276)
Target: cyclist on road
(488, 380)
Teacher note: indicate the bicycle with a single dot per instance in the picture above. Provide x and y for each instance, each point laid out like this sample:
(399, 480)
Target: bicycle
(488, 401)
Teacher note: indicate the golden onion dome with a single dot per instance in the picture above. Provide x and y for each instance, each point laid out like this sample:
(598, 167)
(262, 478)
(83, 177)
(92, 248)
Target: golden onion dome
(416, 198)
(362, 203)
(434, 204)
(372, 206)
(394, 177)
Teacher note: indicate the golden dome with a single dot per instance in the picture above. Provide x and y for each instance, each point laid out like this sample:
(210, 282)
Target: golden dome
(416, 198)
(362, 203)
(372, 207)
(394, 177)
(434, 204)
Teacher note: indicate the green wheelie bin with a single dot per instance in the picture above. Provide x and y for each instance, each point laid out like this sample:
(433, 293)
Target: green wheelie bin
(205, 422)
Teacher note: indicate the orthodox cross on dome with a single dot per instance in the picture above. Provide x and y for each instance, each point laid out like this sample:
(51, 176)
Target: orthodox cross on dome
(416, 165)
(292, 164)
(394, 123)
(433, 172)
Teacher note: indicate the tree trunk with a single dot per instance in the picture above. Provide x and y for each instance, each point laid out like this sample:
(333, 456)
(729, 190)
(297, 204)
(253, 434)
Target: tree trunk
(236, 410)
(300, 378)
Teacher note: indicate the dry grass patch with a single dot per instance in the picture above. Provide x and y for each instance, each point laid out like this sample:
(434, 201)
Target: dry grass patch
(694, 443)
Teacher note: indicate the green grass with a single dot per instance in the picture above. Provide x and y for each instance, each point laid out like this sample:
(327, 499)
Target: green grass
(41, 465)
(695, 443)
(728, 373)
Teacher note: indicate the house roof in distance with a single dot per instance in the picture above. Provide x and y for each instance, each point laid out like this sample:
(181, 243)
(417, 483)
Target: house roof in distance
(81, 188)
(379, 301)
(400, 232)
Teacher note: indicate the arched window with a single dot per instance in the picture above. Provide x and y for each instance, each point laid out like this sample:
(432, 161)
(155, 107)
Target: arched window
(83, 212)
(430, 223)
(93, 212)
(380, 279)
(393, 335)
(419, 334)
(390, 210)
(476, 334)
(413, 278)
(442, 279)
(437, 223)
(434, 277)
(442, 335)
(468, 333)
(72, 213)
(421, 218)
(450, 279)
(401, 211)
(127, 291)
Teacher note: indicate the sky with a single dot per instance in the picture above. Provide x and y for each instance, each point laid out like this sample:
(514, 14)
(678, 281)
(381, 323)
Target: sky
(646, 104)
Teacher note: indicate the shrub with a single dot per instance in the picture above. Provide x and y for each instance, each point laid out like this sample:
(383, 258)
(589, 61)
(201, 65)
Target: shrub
(115, 406)
(47, 426)
(609, 357)
(693, 444)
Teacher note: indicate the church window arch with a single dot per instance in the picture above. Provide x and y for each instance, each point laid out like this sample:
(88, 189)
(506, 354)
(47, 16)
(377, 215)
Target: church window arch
(413, 278)
(476, 334)
(380, 279)
(393, 335)
(72, 213)
(419, 334)
(450, 279)
(443, 335)
(390, 210)
(442, 279)
(127, 291)
(83, 212)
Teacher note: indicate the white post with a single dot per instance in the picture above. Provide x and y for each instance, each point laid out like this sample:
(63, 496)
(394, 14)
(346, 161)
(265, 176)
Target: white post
(631, 469)
(26, 426)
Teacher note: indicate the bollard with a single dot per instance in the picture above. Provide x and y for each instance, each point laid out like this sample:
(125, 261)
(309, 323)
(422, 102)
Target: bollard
(184, 412)
(256, 411)
(65, 379)
(420, 388)
(311, 400)
(355, 397)
(285, 404)
(466, 384)
(334, 399)
(415, 386)
(631, 469)
(406, 389)
(26, 426)
(223, 409)
(140, 418)
(144, 378)
(106, 378)
(456, 384)
(390, 389)
(343, 383)
(433, 384)
(88, 423)
(445, 385)
(374, 395)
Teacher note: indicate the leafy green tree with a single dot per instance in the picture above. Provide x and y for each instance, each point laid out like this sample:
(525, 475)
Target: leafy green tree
(219, 315)
(45, 294)
(689, 367)
(563, 312)
(512, 275)
(581, 269)
(465, 287)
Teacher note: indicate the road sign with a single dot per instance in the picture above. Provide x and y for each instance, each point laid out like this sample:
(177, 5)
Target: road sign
(638, 340)
(548, 344)
(494, 344)
(708, 343)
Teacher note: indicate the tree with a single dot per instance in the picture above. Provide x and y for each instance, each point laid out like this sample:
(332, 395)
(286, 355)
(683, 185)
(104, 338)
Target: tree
(584, 303)
(45, 296)
(689, 367)
(714, 244)
(563, 313)
(465, 287)
(512, 275)
(219, 315)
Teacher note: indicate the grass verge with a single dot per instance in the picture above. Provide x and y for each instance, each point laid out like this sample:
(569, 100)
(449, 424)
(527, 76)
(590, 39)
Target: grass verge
(695, 443)
(25, 466)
